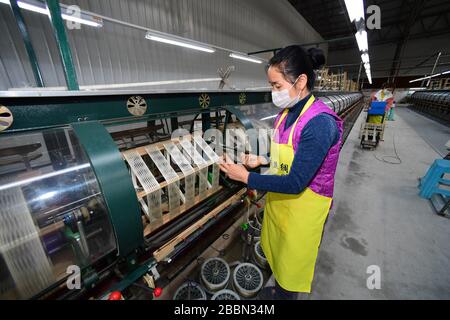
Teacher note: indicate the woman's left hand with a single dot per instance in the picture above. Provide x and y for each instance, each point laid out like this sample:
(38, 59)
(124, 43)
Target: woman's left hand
(235, 171)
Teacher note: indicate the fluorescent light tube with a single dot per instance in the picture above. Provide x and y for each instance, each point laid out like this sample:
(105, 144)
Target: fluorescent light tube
(365, 58)
(177, 42)
(361, 39)
(355, 9)
(32, 7)
(81, 20)
(40, 7)
(242, 57)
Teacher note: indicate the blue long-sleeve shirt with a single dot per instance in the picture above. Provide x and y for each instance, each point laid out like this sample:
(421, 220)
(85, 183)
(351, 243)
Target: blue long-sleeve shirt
(318, 136)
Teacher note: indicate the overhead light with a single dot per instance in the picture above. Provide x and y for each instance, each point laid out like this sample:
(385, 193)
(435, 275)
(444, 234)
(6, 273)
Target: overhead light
(369, 77)
(92, 21)
(32, 7)
(361, 39)
(446, 72)
(355, 9)
(369, 74)
(242, 57)
(365, 58)
(40, 7)
(177, 41)
(35, 6)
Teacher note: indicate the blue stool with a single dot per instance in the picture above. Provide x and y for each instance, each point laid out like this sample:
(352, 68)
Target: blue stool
(429, 184)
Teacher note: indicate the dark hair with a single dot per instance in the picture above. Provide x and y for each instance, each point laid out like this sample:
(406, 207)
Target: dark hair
(293, 61)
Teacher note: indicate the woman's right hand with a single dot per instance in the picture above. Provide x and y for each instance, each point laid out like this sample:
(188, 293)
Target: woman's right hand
(252, 161)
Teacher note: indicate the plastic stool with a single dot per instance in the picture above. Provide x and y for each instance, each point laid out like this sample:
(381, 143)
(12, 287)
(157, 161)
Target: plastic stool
(429, 184)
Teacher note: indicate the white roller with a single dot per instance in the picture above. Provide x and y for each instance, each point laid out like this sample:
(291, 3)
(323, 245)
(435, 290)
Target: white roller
(172, 178)
(162, 164)
(178, 158)
(225, 294)
(151, 186)
(193, 154)
(213, 159)
(215, 274)
(200, 162)
(142, 172)
(21, 247)
(247, 279)
(186, 168)
(206, 148)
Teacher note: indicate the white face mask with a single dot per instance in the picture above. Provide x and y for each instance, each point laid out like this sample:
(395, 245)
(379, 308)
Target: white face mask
(282, 99)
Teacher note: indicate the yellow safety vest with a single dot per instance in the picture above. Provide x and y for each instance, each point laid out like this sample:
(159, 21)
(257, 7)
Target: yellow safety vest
(293, 224)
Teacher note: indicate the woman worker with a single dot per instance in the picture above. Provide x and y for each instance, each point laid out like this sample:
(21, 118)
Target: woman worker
(303, 157)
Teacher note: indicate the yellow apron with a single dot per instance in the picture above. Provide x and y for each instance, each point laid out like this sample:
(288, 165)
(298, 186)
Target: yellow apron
(292, 224)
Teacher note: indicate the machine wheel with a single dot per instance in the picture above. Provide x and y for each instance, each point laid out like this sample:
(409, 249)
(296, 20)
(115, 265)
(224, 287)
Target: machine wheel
(225, 294)
(6, 118)
(260, 258)
(247, 280)
(215, 274)
(190, 291)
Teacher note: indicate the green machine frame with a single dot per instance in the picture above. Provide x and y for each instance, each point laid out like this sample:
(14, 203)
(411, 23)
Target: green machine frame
(90, 113)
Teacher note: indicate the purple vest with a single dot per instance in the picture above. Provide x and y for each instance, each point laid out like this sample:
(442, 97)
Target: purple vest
(323, 181)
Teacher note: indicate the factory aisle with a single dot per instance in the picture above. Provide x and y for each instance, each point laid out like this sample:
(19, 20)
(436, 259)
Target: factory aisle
(378, 218)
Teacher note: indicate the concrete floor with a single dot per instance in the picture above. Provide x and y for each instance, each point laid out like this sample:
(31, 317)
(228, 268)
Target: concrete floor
(378, 218)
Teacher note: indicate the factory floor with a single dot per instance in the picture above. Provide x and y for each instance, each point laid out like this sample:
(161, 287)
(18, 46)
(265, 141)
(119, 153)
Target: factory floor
(379, 219)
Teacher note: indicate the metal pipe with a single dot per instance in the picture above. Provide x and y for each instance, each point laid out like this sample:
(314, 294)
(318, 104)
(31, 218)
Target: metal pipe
(63, 44)
(359, 73)
(434, 67)
(27, 42)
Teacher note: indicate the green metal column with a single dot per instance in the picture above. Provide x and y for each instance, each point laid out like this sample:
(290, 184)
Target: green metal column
(27, 41)
(115, 184)
(63, 44)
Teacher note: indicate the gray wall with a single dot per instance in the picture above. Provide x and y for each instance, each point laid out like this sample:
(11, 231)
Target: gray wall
(118, 54)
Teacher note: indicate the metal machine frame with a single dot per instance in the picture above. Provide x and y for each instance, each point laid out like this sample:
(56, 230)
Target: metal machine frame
(90, 114)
